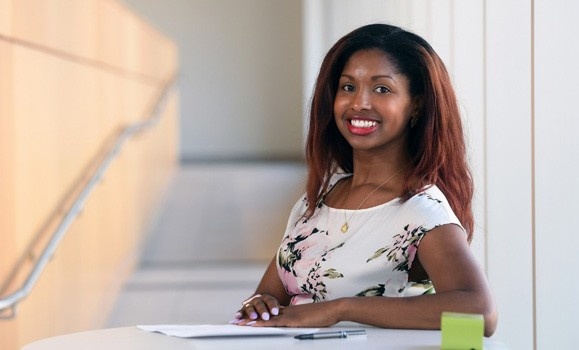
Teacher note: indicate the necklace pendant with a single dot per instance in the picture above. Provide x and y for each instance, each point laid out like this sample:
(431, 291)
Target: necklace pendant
(345, 227)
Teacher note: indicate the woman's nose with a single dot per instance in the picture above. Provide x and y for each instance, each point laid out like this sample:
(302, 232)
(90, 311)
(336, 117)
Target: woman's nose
(361, 101)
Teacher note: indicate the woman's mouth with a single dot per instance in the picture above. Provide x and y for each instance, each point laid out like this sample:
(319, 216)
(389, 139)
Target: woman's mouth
(362, 126)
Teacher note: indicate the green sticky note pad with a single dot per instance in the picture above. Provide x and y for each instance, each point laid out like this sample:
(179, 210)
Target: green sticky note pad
(462, 331)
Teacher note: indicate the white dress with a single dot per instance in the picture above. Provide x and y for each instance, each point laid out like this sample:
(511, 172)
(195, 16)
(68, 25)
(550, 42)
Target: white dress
(317, 262)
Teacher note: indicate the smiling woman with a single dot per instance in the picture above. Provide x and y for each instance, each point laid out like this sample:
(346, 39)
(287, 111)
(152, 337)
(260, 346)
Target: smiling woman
(382, 235)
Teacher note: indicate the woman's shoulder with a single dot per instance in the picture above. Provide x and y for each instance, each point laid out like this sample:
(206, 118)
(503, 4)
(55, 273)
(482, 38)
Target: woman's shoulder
(431, 205)
(430, 194)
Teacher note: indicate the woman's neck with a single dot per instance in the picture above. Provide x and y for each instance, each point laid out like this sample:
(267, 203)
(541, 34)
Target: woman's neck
(373, 169)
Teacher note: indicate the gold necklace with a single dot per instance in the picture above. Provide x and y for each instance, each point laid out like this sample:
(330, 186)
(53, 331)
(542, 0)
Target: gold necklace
(346, 226)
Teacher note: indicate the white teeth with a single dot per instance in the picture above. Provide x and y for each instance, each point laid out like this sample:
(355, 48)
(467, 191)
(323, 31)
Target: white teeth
(363, 123)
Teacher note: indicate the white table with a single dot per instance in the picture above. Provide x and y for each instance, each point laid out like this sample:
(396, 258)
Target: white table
(137, 339)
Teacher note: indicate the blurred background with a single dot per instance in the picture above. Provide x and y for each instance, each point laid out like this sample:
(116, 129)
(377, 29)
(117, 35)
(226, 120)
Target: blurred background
(189, 209)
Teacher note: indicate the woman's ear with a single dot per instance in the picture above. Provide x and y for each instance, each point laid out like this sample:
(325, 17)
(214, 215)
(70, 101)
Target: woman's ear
(416, 110)
(418, 104)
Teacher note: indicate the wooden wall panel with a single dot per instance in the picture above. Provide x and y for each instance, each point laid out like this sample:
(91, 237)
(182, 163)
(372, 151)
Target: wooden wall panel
(116, 23)
(63, 25)
(73, 75)
(8, 254)
(5, 17)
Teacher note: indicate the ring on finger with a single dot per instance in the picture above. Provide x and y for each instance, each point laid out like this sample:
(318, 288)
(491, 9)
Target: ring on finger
(247, 301)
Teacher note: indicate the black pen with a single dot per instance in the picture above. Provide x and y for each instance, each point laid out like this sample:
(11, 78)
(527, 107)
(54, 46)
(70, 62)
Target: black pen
(328, 335)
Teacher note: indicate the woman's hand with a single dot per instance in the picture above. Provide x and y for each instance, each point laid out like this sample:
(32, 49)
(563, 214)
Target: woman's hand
(259, 306)
(322, 314)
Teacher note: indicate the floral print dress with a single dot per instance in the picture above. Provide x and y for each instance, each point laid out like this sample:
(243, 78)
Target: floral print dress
(317, 262)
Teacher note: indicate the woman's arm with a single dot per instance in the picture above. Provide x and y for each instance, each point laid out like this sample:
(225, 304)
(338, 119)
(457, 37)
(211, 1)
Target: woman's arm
(459, 282)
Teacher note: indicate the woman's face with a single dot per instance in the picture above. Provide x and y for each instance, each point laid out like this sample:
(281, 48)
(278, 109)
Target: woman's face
(373, 105)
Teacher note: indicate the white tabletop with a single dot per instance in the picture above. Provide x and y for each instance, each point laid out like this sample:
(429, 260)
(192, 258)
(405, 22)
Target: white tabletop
(134, 338)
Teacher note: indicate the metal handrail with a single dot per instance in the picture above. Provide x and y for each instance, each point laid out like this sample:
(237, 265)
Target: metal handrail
(11, 300)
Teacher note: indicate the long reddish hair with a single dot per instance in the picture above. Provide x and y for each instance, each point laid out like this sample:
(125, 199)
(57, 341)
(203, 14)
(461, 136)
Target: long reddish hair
(436, 142)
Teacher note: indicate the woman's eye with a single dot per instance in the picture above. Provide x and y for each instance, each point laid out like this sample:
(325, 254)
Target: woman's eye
(348, 87)
(382, 89)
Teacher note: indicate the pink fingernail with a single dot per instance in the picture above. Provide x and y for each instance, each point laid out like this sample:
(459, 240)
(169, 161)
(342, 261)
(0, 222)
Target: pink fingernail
(265, 316)
(253, 316)
(250, 323)
(275, 311)
(238, 315)
(235, 321)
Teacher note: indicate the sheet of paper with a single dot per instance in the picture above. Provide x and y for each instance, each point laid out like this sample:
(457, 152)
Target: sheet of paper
(196, 331)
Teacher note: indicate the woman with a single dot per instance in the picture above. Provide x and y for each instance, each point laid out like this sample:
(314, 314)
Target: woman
(382, 235)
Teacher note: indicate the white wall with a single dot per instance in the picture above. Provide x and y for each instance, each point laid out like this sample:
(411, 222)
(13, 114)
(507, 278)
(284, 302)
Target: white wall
(556, 164)
(240, 78)
(514, 66)
(508, 121)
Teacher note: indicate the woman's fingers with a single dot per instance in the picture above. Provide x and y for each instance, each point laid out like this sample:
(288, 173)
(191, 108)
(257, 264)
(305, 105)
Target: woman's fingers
(259, 307)
(250, 312)
(272, 304)
(267, 306)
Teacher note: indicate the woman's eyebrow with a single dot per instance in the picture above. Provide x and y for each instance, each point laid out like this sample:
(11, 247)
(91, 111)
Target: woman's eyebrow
(374, 77)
